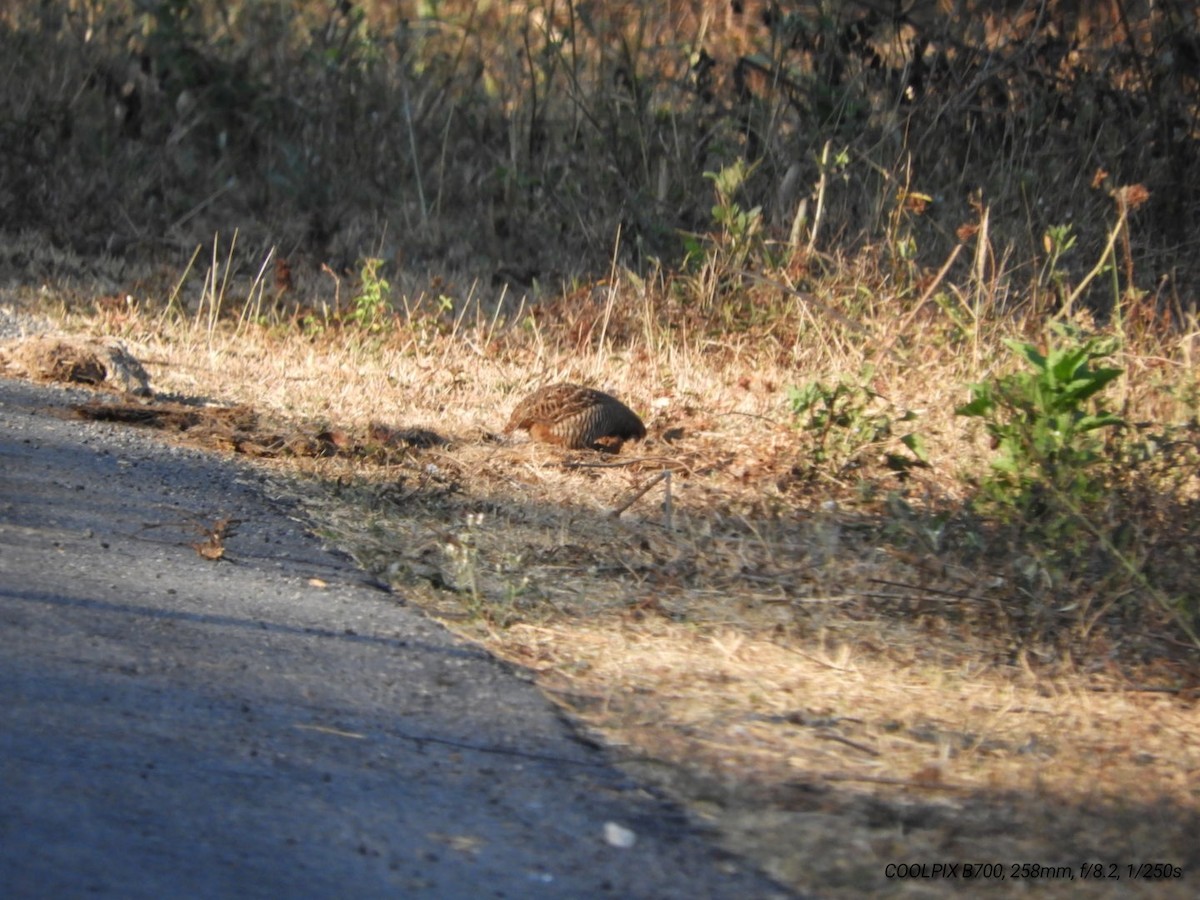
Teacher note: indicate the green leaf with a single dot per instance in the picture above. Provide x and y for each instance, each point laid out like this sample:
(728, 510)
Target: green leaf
(1029, 351)
(916, 444)
(980, 405)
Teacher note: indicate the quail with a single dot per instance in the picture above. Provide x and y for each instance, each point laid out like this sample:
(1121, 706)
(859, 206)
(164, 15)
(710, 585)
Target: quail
(577, 418)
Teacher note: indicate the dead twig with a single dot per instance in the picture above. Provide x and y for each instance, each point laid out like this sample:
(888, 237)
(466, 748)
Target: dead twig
(954, 595)
(899, 782)
(665, 475)
(863, 748)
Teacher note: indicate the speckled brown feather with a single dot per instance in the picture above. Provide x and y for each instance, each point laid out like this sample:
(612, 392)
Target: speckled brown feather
(576, 417)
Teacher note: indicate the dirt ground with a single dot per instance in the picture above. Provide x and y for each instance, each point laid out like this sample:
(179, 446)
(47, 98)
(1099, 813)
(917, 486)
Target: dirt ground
(822, 735)
(790, 237)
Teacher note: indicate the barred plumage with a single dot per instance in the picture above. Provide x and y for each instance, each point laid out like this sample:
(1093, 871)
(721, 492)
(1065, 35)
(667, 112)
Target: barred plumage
(577, 418)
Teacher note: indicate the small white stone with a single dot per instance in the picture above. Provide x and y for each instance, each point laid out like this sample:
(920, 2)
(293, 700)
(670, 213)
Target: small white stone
(619, 836)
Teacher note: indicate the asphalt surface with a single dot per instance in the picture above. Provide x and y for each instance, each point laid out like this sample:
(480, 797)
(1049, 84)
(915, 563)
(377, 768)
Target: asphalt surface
(269, 724)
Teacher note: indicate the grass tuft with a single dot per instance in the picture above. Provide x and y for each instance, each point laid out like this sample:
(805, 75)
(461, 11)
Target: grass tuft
(907, 305)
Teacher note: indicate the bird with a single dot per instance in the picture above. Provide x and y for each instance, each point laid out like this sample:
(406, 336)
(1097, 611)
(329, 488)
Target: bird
(577, 418)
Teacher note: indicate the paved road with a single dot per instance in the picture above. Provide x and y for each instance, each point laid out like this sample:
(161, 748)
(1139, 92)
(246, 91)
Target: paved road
(176, 727)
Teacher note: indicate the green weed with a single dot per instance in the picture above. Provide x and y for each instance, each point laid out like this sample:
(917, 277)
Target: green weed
(373, 300)
(846, 419)
(1046, 423)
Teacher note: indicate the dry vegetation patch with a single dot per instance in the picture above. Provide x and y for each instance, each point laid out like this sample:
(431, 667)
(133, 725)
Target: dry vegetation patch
(866, 744)
(75, 360)
(820, 668)
(903, 570)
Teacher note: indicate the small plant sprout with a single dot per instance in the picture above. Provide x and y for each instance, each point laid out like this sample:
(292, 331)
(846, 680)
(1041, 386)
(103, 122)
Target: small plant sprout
(1045, 424)
(739, 229)
(463, 549)
(1057, 242)
(844, 419)
(374, 296)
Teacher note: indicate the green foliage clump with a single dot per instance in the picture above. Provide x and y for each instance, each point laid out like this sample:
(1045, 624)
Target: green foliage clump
(740, 228)
(845, 419)
(1046, 423)
(373, 300)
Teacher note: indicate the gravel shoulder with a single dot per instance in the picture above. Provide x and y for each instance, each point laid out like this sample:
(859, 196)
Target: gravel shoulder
(269, 723)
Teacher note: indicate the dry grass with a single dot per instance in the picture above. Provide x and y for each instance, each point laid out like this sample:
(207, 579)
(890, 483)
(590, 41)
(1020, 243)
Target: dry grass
(814, 662)
(512, 141)
(838, 660)
(828, 758)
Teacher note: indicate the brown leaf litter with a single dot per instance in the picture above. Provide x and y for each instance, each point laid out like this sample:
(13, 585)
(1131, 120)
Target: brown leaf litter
(75, 360)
